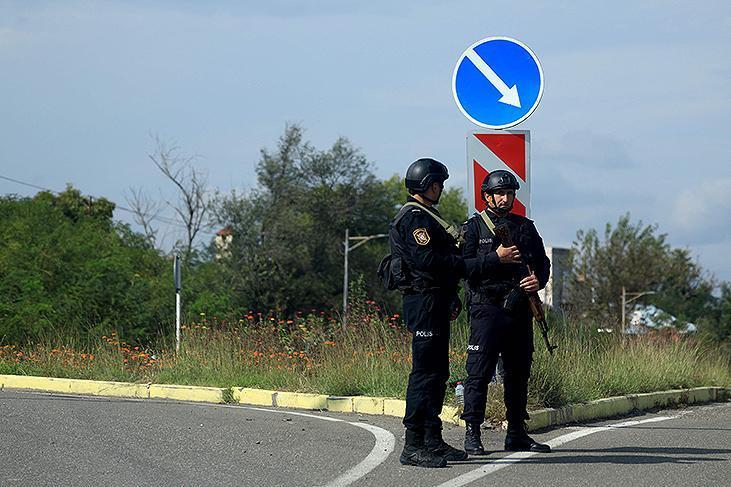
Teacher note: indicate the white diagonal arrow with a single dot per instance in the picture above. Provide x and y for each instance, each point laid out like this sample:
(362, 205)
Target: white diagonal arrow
(510, 95)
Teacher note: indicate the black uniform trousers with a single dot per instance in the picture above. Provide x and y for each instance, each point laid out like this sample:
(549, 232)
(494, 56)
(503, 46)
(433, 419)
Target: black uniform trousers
(427, 318)
(493, 332)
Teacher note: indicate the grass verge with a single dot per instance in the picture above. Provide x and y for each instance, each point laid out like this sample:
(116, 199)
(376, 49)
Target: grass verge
(311, 353)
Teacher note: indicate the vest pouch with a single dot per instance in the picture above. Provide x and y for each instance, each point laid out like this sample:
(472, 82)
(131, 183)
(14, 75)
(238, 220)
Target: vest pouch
(391, 273)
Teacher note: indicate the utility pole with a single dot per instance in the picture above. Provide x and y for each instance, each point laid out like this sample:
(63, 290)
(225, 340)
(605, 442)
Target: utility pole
(361, 239)
(625, 302)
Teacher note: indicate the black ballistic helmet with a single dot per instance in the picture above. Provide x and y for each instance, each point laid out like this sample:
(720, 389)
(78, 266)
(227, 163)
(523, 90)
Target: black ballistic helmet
(423, 172)
(499, 179)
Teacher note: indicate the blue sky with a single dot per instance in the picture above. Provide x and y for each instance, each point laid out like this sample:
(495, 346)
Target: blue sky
(633, 117)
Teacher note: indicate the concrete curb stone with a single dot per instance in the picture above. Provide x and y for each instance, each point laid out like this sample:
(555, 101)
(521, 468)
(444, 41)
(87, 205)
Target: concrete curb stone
(542, 418)
(76, 386)
(619, 405)
(255, 397)
(187, 393)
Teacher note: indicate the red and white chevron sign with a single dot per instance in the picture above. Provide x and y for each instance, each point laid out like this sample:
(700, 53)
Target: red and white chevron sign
(491, 150)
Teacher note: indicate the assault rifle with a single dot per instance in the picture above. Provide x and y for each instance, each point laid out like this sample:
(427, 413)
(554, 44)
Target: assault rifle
(536, 306)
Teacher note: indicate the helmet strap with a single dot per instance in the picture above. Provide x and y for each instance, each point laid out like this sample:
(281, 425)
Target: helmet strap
(494, 208)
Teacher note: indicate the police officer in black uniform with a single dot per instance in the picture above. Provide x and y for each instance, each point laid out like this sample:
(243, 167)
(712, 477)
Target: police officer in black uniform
(501, 322)
(430, 267)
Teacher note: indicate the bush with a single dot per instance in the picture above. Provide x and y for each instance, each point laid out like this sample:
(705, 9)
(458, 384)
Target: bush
(68, 269)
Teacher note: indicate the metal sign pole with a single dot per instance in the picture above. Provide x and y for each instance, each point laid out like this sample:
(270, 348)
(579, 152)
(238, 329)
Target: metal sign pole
(177, 281)
(345, 279)
(177, 321)
(624, 308)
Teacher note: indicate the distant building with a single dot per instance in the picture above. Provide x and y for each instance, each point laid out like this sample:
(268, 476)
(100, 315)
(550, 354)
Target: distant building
(555, 293)
(223, 240)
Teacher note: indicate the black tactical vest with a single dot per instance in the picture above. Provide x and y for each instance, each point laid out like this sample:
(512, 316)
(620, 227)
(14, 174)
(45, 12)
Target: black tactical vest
(498, 283)
(415, 280)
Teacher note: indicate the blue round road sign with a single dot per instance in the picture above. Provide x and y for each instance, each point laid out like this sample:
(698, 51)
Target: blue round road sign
(498, 82)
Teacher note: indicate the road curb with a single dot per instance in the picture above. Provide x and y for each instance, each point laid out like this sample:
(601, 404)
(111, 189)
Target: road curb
(188, 393)
(539, 419)
(76, 386)
(621, 405)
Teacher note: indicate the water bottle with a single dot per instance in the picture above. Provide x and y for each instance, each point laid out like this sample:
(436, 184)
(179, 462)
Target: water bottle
(459, 393)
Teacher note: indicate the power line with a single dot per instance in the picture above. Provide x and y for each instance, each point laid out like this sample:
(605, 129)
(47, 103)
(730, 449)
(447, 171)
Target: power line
(162, 219)
(116, 206)
(27, 184)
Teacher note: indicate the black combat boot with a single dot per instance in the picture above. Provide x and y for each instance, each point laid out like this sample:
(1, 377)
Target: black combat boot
(436, 445)
(517, 439)
(415, 453)
(472, 443)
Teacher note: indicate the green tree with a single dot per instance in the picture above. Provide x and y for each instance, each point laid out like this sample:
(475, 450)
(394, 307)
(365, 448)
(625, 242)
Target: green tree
(287, 250)
(638, 258)
(67, 268)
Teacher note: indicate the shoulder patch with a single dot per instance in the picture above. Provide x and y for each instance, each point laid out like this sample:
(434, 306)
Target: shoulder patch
(421, 236)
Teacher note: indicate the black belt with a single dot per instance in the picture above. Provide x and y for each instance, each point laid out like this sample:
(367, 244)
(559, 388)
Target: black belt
(484, 299)
(430, 290)
(493, 290)
(490, 293)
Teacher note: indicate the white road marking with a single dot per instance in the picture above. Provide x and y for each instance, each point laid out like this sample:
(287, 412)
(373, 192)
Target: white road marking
(500, 463)
(385, 444)
(286, 412)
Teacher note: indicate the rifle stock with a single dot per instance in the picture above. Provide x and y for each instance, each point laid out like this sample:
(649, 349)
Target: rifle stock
(536, 306)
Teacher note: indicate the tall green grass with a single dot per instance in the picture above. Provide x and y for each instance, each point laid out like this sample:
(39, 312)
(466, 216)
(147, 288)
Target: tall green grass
(311, 353)
(590, 365)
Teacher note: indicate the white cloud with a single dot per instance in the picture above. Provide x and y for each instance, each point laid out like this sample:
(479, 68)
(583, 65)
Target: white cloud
(702, 211)
(713, 258)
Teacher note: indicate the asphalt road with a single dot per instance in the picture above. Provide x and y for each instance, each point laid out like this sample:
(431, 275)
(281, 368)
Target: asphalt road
(51, 439)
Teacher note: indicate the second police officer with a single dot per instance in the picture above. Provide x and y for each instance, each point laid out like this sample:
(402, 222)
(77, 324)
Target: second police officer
(426, 267)
(501, 322)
